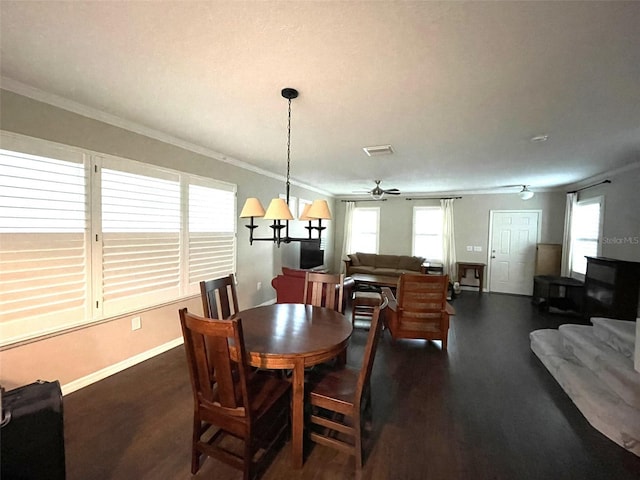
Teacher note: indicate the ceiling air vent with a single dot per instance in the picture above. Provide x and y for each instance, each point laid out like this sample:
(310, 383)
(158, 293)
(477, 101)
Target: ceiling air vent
(378, 150)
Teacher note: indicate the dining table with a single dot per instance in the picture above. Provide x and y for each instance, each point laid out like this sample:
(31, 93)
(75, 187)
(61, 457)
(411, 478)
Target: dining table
(291, 336)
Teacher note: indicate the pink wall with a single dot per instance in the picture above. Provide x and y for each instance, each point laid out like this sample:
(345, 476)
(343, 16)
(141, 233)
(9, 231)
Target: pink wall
(77, 356)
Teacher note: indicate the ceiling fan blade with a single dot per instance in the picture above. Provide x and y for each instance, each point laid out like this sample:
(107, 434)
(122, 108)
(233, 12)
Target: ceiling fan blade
(392, 192)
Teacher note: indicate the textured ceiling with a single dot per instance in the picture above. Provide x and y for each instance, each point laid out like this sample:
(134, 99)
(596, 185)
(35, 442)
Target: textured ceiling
(458, 88)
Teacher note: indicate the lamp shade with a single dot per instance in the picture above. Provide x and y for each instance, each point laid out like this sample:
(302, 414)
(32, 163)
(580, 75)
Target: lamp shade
(319, 210)
(304, 216)
(252, 208)
(278, 210)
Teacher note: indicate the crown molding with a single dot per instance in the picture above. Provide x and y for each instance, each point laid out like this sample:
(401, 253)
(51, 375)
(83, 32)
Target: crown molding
(63, 103)
(602, 176)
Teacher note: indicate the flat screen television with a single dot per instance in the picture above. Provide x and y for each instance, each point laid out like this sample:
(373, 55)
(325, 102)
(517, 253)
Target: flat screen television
(311, 256)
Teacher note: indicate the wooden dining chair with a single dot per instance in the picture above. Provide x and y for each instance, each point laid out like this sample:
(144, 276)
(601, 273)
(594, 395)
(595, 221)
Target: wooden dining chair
(340, 399)
(240, 403)
(219, 297)
(324, 290)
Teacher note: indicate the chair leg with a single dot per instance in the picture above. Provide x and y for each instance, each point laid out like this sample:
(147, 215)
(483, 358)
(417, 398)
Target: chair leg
(358, 444)
(195, 454)
(248, 460)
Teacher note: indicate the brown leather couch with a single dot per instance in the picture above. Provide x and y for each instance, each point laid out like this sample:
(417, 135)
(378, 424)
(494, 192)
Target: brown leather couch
(289, 287)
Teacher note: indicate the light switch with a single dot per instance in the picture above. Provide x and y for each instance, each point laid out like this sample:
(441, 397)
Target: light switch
(477, 249)
(469, 248)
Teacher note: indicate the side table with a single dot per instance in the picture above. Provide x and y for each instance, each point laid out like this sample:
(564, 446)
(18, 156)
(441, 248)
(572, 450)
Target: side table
(478, 269)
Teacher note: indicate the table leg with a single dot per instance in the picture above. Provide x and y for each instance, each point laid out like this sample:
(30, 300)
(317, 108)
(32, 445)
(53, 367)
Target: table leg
(297, 414)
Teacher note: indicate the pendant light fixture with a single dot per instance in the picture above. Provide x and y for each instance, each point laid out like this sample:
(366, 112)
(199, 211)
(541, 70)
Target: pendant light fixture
(278, 209)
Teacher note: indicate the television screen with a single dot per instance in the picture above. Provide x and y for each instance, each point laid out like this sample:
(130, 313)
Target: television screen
(310, 255)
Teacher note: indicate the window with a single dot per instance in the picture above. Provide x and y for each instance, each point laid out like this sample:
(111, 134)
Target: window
(85, 237)
(586, 230)
(427, 233)
(364, 230)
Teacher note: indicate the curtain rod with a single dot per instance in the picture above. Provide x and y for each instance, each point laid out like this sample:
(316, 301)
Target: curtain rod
(432, 198)
(366, 200)
(589, 186)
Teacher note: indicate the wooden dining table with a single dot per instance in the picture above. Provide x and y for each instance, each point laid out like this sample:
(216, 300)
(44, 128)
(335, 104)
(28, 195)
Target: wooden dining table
(293, 336)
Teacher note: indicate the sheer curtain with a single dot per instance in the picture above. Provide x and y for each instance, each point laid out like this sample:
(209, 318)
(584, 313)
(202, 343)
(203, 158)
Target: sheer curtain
(572, 199)
(448, 239)
(346, 240)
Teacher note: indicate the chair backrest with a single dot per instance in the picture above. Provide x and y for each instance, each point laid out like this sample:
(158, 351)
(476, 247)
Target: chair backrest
(324, 290)
(207, 343)
(218, 297)
(370, 349)
(421, 297)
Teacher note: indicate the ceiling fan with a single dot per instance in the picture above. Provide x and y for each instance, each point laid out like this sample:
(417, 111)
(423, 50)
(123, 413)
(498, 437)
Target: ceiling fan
(378, 192)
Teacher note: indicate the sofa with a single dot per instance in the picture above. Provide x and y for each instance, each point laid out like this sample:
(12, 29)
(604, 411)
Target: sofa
(388, 265)
(289, 287)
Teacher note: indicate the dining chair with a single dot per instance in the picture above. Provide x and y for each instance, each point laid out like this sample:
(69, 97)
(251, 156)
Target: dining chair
(420, 308)
(219, 297)
(340, 399)
(324, 290)
(240, 403)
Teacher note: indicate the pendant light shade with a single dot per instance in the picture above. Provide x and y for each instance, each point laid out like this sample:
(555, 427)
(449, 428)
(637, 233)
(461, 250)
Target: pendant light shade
(304, 216)
(278, 210)
(252, 208)
(319, 210)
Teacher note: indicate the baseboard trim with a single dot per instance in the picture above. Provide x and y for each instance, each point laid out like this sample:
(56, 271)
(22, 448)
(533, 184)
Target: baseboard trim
(118, 367)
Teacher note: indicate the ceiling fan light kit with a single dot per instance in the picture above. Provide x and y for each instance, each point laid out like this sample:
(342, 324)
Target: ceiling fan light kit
(378, 192)
(278, 209)
(525, 193)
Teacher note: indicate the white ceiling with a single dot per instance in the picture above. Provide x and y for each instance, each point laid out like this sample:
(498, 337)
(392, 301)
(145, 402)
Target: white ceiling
(458, 88)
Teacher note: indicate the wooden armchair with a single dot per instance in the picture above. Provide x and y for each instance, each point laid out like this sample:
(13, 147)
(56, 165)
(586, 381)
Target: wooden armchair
(421, 309)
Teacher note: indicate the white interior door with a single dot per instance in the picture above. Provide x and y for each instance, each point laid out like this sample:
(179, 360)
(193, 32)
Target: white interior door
(514, 235)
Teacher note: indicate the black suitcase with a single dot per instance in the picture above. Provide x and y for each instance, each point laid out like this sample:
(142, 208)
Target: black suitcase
(31, 437)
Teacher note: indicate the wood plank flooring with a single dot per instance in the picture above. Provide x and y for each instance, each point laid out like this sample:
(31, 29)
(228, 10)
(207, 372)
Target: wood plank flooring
(486, 410)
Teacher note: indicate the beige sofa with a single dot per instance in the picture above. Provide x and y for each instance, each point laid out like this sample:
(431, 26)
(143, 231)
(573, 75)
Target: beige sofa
(388, 265)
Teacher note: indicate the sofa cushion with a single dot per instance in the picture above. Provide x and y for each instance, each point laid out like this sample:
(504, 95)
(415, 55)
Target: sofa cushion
(355, 261)
(405, 262)
(368, 259)
(387, 272)
(387, 261)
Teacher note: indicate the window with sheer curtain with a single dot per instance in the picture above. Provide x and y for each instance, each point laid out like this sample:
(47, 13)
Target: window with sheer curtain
(365, 227)
(84, 237)
(427, 233)
(586, 232)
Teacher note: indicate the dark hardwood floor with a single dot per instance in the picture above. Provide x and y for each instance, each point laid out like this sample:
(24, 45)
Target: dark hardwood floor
(487, 409)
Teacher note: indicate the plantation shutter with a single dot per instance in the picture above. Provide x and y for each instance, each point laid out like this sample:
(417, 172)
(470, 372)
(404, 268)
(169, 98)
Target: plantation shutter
(140, 236)
(212, 231)
(43, 233)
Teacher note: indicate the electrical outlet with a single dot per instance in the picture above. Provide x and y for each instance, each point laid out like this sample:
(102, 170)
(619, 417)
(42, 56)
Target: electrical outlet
(469, 248)
(136, 323)
(259, 286)
(477, 249)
